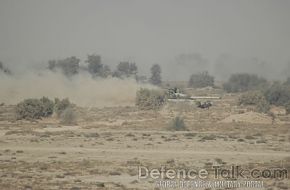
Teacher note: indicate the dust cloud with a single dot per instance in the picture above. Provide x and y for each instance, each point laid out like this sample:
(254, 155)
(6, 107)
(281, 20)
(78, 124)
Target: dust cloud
(81, 89)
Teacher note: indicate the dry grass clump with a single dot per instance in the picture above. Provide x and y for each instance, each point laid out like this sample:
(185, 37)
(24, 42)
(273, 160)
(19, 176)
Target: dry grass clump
(68, 116)
(150, 99)
(177, 124)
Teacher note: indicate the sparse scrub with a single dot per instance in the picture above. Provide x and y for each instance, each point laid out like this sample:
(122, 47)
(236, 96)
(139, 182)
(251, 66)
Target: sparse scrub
(177, 124)
(201, 80)
(61, 105)
(243, 82)
(255, 98)
(68, 116)
(150, 99)
(287, 107)
(278, 94)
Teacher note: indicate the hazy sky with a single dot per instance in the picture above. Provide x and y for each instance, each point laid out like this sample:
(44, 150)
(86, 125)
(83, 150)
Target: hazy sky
(148, 31)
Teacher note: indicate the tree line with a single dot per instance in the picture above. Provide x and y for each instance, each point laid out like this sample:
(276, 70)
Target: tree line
(71, 66)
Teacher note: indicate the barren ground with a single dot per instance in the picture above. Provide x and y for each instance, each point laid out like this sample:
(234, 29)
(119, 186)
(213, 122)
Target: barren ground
(105, 148)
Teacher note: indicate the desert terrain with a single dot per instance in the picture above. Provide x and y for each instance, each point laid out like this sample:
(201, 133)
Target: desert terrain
(106, 146)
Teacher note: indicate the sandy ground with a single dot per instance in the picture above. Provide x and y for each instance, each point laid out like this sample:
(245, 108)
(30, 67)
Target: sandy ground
(105, 148)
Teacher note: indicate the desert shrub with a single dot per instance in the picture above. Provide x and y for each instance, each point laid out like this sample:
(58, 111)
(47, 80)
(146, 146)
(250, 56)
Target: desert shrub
(68, 116)
(48, 106)
(34, 108)
(250, 98)
(287, 107)
(29, 109)
(255, 98)
(263, 106)
(278, 94)
(150, 99)
(201, 80)
(177, 124)
(61, 106)
(244, 82)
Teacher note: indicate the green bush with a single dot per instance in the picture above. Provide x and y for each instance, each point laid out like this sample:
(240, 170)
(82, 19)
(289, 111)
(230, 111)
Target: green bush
(201, 80)
(150, 99)
(255, 98)
(278, 94)
(34, 108)
(177, 124)
(29, 109)
(244, 82)
(48, 106)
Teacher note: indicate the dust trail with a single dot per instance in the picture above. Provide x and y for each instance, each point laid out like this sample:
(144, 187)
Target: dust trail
(80, 89)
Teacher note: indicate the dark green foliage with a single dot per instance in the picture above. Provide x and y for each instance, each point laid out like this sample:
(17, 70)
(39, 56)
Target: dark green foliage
(61, 105)
(278, 94)
(95, 64)
(243, 82)
(126, 69)
(201, 80)
(69, 66)
(155, 75)
(96, 68)
(34, 108)
(150, 99)
(177, 124)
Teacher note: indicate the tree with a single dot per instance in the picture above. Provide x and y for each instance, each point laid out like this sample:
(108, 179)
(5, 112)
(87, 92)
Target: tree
(201, 80)
(126, 69)
(155, 75)
(95, 64)
(96, 68)
(278, 94)
(4, 69)
(69, 66)
(287, 82)
(242, 82)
